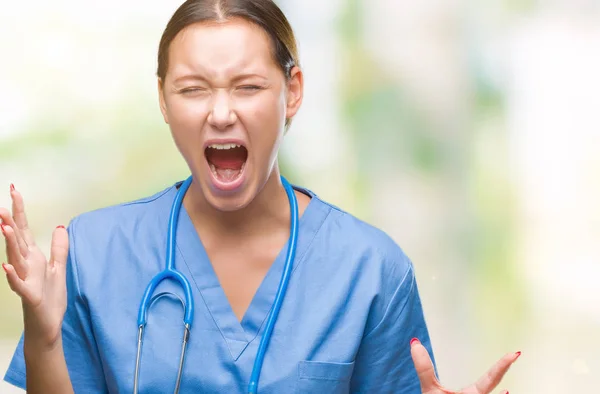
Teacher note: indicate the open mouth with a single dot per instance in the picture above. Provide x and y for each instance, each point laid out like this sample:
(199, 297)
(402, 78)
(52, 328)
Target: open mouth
(226, 161)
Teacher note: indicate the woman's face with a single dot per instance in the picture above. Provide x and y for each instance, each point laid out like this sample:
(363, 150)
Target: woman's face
(226, 102)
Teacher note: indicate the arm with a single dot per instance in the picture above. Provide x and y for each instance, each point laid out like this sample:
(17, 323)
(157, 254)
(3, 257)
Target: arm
(41, 285)
(390, 361)
(46, 369)
(57, 353)
(72, 362)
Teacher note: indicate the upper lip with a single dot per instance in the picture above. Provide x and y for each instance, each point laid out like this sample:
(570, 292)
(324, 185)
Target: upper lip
(220, 141)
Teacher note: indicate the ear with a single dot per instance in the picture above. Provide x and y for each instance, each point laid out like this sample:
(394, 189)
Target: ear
(161, 100)
(295, 92)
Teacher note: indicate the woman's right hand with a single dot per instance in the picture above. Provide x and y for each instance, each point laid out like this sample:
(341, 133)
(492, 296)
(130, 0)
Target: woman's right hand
(40, 283)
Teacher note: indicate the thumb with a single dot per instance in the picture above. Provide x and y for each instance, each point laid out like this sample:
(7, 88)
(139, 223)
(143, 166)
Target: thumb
(423, 366)
(59, 248)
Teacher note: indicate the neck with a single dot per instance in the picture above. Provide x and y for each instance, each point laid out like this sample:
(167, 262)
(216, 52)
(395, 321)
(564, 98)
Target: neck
(268, 211)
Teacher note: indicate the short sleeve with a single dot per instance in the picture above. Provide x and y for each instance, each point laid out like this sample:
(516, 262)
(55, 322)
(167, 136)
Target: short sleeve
(81, 352)
(384, 363)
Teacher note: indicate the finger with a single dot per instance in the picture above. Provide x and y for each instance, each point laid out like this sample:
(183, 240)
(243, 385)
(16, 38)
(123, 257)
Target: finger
(494, 375)
(16, 284)
(423, 366)
(6, 218)
(12, 251)
(18, 208)
(59, 249)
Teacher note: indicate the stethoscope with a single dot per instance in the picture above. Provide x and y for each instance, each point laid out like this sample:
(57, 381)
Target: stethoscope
(170, 272)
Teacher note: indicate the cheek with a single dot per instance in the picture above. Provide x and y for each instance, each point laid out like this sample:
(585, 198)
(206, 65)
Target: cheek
(185, 113)
(264, 113)
(186, 119)
(264, 119)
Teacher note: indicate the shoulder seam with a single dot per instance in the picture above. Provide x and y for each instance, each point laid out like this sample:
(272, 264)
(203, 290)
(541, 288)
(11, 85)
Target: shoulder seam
(148, 199)
(330, 205)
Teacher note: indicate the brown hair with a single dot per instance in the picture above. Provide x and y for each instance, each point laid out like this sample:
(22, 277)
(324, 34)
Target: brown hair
(264, 13)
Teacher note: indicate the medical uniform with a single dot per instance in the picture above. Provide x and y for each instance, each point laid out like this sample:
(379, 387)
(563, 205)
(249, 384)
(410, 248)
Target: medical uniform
(350, 311)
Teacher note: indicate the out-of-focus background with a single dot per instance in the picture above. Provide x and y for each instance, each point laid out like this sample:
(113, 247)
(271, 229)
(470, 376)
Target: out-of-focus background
(468, 130)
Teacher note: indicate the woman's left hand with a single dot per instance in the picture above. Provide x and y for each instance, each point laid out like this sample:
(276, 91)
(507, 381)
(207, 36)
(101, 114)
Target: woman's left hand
(485, 384)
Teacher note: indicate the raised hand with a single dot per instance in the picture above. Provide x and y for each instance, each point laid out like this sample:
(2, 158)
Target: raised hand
(40, 283)
(430, 384)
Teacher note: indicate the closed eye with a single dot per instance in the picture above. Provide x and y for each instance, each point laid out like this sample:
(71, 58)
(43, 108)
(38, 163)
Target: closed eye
(191, 90)
(250, 88)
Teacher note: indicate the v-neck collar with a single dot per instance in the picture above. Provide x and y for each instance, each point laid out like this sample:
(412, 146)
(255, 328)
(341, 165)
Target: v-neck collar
(238, 334)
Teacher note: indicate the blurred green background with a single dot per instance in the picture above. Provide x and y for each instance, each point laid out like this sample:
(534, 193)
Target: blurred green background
(469, 131)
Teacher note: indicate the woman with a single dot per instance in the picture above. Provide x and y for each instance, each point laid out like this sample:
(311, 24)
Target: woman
(229, 85)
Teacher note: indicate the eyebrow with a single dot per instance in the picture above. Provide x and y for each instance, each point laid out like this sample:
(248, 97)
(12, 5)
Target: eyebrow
(196, 77)
(185, 78)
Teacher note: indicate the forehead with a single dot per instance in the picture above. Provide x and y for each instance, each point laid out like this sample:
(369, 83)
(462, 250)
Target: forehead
(221, 49)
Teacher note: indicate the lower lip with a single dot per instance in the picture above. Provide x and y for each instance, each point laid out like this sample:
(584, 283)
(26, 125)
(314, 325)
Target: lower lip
(227, 186)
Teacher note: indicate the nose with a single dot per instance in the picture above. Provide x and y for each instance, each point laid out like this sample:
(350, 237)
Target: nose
(222, 114)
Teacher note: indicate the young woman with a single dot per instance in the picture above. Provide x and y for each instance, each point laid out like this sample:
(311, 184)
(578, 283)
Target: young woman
(229, 85)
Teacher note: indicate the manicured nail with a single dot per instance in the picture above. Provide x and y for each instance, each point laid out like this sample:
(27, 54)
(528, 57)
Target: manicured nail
(61, 226)
(413, 341)
(5, 268)
(3, 227)
(12, 187)
(518, 354)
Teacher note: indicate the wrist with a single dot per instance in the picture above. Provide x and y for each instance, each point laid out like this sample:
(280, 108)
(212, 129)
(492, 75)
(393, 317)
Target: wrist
(34, 348)
(38, 334)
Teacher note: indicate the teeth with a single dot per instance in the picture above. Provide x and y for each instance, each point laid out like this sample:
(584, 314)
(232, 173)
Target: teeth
(224, 146)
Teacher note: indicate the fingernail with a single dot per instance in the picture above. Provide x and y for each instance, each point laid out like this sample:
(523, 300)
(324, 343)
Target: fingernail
(61, 226)
(3, 227)
(413, 341)
(4, 267)
(518, 354)
(12, 187)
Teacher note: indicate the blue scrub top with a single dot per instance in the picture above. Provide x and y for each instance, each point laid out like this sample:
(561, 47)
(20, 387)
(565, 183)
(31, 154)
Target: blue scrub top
(350, 311)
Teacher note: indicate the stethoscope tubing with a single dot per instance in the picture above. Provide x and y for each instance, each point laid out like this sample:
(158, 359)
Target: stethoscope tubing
(170, 272)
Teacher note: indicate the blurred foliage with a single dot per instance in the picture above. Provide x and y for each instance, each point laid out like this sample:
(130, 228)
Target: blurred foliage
(386, 127)
(390, 130)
